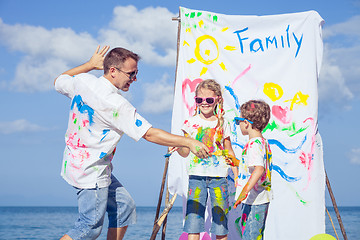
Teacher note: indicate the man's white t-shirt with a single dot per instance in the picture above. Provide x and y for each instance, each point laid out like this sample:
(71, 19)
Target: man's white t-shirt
(98, 118)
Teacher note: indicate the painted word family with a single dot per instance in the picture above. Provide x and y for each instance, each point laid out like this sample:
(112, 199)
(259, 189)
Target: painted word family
(286, 40)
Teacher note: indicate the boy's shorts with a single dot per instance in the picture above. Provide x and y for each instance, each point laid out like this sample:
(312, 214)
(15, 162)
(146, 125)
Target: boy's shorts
(196, 204)
(253, 220)
(95, 202)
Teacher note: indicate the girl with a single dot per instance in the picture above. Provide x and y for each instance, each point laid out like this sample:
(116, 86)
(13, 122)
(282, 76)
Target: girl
(208, 174)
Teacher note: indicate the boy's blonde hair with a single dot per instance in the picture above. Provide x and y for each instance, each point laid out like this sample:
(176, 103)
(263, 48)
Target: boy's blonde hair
(212, 85)
(256, 111)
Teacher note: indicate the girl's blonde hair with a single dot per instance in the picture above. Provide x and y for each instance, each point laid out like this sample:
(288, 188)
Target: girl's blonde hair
(212, 85)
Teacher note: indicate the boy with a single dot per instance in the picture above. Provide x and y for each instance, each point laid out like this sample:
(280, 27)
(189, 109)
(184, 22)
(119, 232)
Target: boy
(254, 181)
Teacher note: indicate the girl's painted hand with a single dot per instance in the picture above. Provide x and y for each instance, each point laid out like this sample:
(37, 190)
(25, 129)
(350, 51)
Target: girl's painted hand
(200, 149)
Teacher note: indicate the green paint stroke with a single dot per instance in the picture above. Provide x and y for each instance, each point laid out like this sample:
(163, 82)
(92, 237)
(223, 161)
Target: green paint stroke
(192, 15)
(291, 129)
(201, 133)
(300, 199)
(215, 18)
(115, 114)
(199, 14)
(257, 217)
(65, 166)
(237, 225)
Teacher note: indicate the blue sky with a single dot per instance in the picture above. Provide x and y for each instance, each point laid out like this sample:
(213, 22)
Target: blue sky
(40, 39)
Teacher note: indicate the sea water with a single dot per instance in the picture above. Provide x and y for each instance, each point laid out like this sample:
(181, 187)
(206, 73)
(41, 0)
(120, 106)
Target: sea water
(52, 222)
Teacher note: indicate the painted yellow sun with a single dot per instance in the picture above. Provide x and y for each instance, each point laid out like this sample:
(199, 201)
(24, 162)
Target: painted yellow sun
(207, 50)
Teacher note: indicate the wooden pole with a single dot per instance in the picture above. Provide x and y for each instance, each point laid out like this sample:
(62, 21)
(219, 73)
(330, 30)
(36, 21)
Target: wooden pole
(161, 189)
(162, 217)
(168, 204)
(332, 224)
(165, 221)
(335, 207)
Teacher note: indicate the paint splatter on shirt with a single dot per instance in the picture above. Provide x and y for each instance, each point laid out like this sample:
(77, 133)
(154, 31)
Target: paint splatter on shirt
(205, 131)
(256, 153)
(98, 118)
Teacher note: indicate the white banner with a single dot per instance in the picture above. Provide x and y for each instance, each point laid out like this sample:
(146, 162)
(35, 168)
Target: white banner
(275, 58)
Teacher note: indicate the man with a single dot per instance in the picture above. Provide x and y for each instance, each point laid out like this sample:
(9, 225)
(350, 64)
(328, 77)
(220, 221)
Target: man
(98, 117)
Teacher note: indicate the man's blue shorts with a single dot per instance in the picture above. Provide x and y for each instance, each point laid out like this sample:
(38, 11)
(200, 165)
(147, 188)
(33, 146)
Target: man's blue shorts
(95, 202)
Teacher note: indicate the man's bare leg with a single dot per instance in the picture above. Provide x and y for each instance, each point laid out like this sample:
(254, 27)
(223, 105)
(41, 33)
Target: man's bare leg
(193, 236)
(222, 237)
(66, 237)
(116, 233)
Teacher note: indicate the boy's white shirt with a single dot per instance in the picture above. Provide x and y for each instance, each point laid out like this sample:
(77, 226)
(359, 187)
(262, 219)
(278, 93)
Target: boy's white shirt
(254, 154)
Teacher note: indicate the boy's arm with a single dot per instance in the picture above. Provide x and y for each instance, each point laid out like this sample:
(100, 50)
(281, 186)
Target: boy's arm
(164, 138)
(228, 146)
(95, 63)
(254, 178)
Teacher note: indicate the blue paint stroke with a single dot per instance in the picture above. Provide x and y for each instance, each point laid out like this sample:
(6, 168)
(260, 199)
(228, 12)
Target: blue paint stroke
(102, 154)
(230, 179)
(284, 175)
(237, 144)
(232, 93)
(83, 108)
(283, 148)
(105, 133)
(138, 122)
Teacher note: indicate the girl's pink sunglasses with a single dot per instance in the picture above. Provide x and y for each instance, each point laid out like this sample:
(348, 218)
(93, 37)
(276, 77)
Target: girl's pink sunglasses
(209, 100)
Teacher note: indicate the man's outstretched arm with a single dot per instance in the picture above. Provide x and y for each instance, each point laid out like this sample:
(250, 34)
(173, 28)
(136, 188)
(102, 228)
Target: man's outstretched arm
(164, 138)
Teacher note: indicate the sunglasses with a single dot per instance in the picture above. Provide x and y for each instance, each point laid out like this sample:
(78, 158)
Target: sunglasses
(209, 100)
(131, 75)
(238, 120)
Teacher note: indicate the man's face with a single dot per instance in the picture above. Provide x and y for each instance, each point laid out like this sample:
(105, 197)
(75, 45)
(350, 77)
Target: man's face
(121, 76)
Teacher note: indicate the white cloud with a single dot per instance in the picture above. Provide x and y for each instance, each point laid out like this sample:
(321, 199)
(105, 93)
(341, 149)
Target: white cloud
(355, 156)
(149, 32)
(332, 81)
(159, 96)
(20, 125)
(49, 52)
(340, 72)
(348, 28)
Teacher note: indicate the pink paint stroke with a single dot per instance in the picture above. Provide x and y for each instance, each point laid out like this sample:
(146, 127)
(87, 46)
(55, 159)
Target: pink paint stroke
(282, 114)
(310, 155)
(240, 75)
(192, 85)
